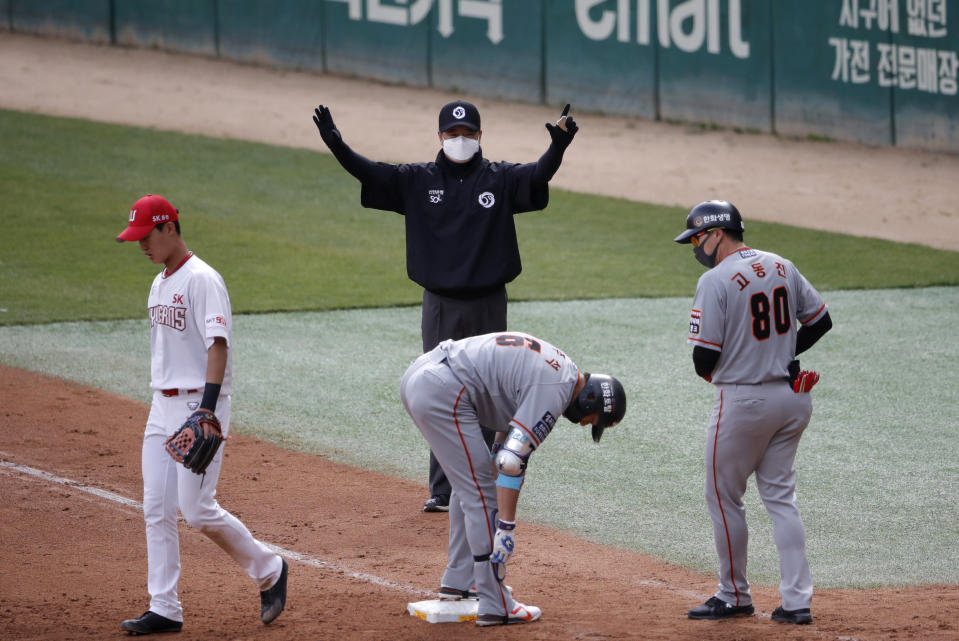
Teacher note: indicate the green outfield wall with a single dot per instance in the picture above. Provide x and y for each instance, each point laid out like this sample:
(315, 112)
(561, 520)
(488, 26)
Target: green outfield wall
(882, 72)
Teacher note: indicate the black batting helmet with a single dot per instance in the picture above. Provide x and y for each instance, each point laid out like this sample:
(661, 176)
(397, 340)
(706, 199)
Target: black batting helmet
(602, 394)
(711, 214)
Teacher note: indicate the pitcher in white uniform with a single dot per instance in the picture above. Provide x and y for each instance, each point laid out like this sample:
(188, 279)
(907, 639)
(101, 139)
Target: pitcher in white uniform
(517, 385)
(191, 359)
(753, 313)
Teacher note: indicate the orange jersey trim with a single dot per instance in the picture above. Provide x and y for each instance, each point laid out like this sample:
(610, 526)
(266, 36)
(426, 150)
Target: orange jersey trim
(817, 313)
(704, 342)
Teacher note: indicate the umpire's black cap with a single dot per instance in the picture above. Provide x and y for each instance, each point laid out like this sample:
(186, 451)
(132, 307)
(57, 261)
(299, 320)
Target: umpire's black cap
(459, 112)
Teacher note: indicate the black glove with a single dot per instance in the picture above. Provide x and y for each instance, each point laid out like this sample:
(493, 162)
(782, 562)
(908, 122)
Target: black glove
(562, 138)
(324, 123)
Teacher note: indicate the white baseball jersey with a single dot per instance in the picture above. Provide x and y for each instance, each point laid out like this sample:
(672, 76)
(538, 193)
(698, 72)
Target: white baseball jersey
(513, 380)
(188, 309)
(746, 307)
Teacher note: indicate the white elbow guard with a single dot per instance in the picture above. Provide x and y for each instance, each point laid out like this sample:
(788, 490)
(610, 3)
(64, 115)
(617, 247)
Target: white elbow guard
(510, 463)
(511, 458)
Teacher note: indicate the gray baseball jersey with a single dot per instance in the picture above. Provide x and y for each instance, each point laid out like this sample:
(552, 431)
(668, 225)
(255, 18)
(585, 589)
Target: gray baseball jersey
(513, 379)
(504, 381)
(747, 308)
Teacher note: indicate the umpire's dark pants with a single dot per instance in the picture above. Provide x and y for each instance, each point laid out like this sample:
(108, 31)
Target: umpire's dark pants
(445, 317)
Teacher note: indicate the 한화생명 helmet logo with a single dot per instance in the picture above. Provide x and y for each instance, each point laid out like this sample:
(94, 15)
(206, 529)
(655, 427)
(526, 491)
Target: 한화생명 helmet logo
(487, 200)
(459, 112)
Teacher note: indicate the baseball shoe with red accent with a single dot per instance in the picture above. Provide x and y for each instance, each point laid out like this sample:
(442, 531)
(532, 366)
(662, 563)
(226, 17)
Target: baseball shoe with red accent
(800, 616)
(519, 614)
(716, 608)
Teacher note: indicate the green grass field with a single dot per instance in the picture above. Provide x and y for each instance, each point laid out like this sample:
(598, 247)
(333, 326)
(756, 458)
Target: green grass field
(602, 279)
(285, 228)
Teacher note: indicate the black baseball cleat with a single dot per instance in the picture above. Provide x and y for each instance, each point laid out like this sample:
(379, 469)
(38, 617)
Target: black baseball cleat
(151, 623)
(716, 608)
(437, 504)
(800, 616)
(273, 600)
(446, 593)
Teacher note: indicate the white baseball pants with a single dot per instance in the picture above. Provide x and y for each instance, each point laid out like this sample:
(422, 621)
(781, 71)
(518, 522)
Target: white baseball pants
(168, 486)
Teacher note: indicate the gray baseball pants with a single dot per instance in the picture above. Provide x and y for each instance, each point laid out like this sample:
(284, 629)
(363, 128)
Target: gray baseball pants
(755, 429)
(439, 405)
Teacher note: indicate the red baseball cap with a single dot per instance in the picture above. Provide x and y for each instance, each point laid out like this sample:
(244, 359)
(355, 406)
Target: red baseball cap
(146, 213)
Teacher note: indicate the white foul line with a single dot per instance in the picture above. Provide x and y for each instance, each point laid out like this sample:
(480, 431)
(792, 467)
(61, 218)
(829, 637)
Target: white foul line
(306, 559)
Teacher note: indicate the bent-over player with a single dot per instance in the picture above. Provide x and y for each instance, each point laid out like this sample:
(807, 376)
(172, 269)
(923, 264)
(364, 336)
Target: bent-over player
(753, 313)
(190, 360)
(518, 385)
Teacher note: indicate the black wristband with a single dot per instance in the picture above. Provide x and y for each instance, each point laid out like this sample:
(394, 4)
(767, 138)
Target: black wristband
(210, 393)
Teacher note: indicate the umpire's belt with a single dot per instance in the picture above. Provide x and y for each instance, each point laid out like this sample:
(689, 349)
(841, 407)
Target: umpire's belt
(177, 392)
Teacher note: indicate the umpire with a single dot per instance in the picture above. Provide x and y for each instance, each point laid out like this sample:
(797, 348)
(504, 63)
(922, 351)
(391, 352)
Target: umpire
(460, 238)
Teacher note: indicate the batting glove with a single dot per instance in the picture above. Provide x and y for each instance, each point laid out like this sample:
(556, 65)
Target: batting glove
(805, 381)
(503, 543)
(801, 380)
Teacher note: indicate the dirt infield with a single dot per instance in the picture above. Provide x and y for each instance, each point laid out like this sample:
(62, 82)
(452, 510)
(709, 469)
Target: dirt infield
(74, 563)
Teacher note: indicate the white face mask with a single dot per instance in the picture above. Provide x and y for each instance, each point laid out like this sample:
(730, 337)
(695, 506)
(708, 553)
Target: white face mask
(460, 149)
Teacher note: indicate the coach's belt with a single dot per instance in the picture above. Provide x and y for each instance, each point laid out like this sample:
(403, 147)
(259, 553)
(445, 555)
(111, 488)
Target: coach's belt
(177, 392)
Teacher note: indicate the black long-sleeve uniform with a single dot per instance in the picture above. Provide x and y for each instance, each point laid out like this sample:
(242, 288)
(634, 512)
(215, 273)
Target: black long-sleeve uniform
(460, 237)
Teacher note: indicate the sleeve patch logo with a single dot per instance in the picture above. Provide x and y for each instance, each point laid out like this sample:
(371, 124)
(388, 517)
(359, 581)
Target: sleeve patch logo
(544, 426)
(216, 320)
(487, 199)
(694, 320)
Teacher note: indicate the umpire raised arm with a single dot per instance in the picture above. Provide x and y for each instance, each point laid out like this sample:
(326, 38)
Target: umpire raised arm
(461, 242)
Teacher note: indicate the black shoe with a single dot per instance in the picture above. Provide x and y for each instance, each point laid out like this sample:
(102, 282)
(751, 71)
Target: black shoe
(716, 608)
(452, 594)
(273, 600)
(151, 623)
(437, 504)
(800, 617)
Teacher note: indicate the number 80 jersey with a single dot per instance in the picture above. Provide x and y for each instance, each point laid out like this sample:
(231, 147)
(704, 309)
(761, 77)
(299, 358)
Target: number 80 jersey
(746, 308)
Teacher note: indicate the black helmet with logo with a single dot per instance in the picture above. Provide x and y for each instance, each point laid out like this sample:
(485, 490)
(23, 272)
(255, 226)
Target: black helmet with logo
(712, 214)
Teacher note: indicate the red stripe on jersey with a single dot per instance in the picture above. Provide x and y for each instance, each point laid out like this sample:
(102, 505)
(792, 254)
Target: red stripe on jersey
(719, 500)
(705, 342)
(525, 429)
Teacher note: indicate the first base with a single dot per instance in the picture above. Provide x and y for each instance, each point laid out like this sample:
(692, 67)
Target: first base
(437, 611)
